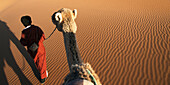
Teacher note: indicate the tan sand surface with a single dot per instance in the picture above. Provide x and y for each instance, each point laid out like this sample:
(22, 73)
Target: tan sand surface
(5, 4)
(127, 42)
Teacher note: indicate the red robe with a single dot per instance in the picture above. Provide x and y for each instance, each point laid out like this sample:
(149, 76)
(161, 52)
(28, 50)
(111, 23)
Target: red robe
(34, 34)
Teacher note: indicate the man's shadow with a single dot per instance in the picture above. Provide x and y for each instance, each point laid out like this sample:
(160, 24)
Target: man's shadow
(5, 54)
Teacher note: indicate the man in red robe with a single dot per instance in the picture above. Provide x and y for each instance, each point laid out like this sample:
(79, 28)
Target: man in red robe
(32, 36)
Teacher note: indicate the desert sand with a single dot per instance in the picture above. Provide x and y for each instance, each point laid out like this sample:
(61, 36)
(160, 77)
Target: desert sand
(127, 42)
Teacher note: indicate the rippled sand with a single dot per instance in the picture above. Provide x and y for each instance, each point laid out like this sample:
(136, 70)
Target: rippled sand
(127, 42)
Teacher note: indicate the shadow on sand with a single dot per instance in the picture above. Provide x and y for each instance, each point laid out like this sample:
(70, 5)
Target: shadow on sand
(5, 54)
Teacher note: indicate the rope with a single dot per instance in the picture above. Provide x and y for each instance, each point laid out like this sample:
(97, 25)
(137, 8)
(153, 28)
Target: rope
(51, 34)
(83, 71)
(95, 83)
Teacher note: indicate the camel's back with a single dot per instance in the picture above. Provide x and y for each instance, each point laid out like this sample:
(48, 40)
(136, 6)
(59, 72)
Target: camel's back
(80, 82)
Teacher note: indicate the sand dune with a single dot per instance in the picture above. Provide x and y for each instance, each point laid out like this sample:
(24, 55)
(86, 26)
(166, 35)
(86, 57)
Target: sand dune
(126, 41)
(5, 4)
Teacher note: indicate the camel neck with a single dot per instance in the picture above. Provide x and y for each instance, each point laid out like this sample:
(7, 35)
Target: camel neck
(73, 54)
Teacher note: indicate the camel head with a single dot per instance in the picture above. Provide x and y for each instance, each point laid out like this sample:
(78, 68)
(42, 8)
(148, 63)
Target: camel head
(64, 19)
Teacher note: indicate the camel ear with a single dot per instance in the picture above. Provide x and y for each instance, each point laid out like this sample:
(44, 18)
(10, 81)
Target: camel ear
(58, 17)
(75, 13)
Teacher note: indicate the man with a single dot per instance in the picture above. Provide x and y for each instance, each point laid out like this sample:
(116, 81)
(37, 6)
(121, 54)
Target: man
(32, 36)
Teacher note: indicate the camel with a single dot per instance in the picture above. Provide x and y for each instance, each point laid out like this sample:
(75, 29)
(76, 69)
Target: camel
(80, 73)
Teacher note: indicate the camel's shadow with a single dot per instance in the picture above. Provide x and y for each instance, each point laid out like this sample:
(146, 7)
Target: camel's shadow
(5, 54)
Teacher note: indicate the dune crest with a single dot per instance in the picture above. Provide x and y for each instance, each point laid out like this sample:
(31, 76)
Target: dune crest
(6, 3)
